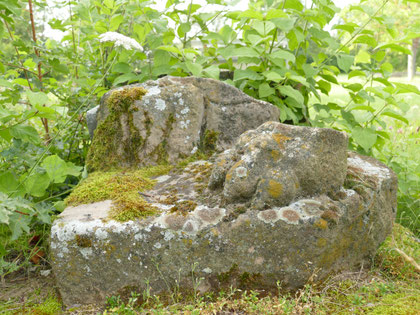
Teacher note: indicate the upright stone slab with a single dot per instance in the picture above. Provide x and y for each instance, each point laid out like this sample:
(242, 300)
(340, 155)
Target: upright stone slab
(172, 119)
(296, 218)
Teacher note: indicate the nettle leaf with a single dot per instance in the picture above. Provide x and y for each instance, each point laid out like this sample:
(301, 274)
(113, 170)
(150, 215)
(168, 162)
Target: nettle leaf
(345, 62)
(291, 92)
(365, 137)
(37, 98)
(25, 133)
(265, 90)
(57, 169)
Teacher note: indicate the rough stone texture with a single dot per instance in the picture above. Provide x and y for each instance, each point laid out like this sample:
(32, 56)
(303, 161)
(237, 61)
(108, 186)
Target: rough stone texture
(278, 163)
(177, 116)
(204, 238)
(91, 120)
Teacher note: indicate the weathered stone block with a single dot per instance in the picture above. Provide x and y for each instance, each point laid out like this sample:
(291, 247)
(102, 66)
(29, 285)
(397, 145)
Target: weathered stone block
(205, 233)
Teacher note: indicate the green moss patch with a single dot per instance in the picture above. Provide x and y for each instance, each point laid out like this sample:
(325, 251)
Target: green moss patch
(108, 141)
(123, 188)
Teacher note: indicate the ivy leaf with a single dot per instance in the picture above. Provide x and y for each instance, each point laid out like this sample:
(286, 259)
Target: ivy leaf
(25, 133)
(291, 92)
(365, 137)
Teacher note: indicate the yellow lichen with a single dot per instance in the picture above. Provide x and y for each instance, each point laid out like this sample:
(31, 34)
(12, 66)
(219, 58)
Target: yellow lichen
(275, 189)
(275, 154)
(280, 139)
(321, 224)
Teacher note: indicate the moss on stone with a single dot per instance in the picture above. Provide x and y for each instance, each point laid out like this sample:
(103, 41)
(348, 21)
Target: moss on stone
(208, 142)
(123, 188)
(108, 139)
(184, 206)
(83, 241)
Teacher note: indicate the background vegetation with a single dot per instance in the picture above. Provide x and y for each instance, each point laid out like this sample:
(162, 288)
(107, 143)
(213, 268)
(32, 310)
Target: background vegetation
(321, 66)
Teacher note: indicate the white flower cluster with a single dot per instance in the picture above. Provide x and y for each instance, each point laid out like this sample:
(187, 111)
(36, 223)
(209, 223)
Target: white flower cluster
(120, 40)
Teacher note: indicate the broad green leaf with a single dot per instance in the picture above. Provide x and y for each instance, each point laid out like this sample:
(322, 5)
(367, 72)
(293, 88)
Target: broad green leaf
(5, 83)
(363, 107)
(275, 13)
(282, 54)
(8, 183)
(171, 49)
(265, 90)
(387, 67)
(396, 47)
(115, 22)
(406, 88)
(25, 133)
(18, 224)
(245, 52)
(263, 28)
(293, 4)
(366, 39)
(365, 137)
(126, 77)
(37, 183)
(345, 62)
(324, 86)
(213, 72)
(251, 14)
(121, 67)
(291, 92)
(246, 74)
(57, 169)
(285, 24)
(37, 98)
(356, 73)
(362, 57)
(194, 68)
(273, 76)
(255, 39)
(395, 115)
(309, 70)
(355, 87)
